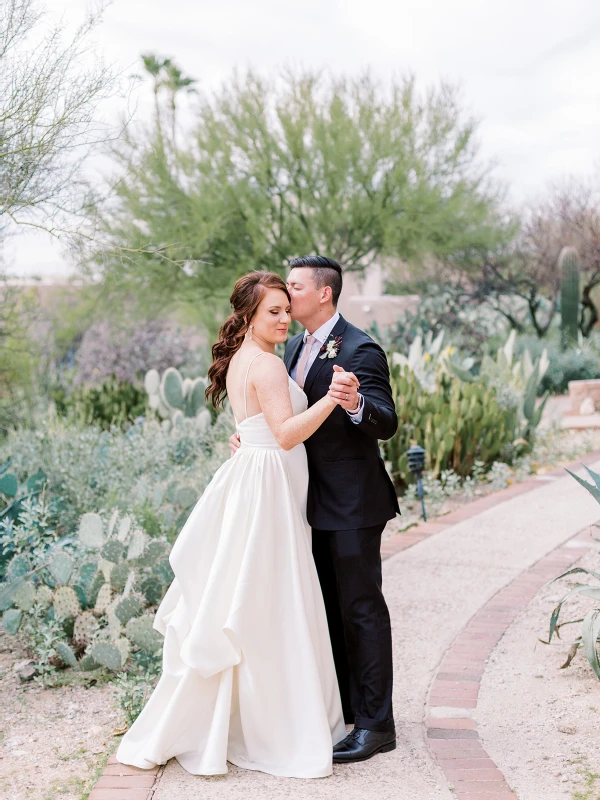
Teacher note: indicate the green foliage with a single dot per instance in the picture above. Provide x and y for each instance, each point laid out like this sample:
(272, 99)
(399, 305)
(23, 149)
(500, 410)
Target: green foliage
(590, 629)
(457, 424)
(290, 165)
(568, 263)
(111, 574)
(174, 397)
(571, 365)
(112, 403)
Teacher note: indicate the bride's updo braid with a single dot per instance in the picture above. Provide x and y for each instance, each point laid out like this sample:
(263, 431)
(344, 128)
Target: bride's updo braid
(245, 299)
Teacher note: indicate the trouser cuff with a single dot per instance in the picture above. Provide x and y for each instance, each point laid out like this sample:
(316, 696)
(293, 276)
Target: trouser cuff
(375, 725)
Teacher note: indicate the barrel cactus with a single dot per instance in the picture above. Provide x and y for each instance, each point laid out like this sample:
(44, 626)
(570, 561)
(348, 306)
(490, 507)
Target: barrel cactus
(568, 263)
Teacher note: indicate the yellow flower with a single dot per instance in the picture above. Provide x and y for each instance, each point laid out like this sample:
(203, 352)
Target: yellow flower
(427, 357)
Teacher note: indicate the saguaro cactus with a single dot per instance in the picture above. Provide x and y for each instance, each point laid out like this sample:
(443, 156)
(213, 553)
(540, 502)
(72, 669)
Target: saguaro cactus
(568, 263)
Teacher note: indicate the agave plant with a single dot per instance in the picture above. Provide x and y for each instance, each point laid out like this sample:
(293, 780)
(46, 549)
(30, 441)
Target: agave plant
(590, 623)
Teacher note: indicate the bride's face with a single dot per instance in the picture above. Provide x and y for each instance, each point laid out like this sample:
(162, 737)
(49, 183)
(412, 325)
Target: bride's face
(272, 318)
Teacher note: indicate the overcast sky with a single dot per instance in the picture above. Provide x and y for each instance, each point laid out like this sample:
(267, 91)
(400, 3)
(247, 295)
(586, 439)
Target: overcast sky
(528, 68)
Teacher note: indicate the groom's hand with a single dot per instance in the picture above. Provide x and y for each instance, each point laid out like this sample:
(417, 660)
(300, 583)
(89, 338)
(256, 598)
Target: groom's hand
(344, 388)
(234, 443)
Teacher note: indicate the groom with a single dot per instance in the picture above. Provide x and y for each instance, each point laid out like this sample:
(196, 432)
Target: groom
(350, 497)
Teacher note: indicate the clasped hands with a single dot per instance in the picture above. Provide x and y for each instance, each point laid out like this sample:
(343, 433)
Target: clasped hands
(344, 388)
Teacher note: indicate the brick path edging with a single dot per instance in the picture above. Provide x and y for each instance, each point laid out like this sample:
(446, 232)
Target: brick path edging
(452, 733)
(121, 782)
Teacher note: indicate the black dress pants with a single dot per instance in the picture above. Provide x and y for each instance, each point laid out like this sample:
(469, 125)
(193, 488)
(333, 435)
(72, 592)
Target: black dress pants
(349, 568)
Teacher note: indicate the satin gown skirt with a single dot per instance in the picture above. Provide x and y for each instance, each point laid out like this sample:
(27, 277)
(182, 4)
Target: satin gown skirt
(248, 673)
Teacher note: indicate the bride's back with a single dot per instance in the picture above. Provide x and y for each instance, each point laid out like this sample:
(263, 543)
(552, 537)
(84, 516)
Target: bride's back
(240, 386)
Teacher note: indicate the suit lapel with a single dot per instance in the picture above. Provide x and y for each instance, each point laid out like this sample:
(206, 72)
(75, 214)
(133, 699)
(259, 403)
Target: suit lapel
(319, 363)
(292, 351)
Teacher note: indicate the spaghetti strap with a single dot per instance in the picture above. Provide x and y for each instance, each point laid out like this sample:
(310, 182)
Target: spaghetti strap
(246, 384)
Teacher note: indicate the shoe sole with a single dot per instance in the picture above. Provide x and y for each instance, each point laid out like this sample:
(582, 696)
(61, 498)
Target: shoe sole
(386, 748)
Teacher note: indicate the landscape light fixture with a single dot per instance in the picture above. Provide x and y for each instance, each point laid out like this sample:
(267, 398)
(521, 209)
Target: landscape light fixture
(416, 464)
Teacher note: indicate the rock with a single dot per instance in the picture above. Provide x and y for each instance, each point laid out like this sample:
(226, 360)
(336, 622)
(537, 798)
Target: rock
(587, 407)
(566, 729)
(28, 671)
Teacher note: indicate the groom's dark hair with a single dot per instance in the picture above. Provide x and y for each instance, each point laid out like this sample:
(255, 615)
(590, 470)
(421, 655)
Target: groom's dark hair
(326, 271)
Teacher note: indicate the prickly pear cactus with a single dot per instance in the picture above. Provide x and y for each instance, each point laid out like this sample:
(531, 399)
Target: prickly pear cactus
(152, 589)
(84, 627)
(107, 654)
(24, 597)
(91, 532)
(137, 544)
(66, 654)
(103, 599)
(44, 596)
(112, 550)
(11, 620)
(119, 575)
(123, 645)
(141, 633)
(127, 608)
(61, 568)
(65, 603)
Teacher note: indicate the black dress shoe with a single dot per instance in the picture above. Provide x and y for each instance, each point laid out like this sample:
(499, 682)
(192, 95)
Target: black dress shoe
(361, 744)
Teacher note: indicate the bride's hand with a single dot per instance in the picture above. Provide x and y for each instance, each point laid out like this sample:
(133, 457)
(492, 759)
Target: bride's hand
(344, 388)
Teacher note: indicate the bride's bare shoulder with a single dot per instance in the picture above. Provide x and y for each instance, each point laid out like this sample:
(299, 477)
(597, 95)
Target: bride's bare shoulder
(269, 368)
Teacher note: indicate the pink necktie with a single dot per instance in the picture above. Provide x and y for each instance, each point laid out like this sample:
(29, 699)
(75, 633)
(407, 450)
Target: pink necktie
(301, 368)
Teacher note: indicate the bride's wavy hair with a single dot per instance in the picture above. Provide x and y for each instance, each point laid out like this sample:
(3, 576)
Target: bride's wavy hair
(245, 299)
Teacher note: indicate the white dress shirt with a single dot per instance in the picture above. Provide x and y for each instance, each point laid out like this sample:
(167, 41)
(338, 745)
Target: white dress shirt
(321, 335)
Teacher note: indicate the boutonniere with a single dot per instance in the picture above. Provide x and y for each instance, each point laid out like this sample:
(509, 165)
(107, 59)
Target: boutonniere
(331, 348)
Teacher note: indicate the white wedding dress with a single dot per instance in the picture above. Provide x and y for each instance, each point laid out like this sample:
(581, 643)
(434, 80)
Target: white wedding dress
(248, 673)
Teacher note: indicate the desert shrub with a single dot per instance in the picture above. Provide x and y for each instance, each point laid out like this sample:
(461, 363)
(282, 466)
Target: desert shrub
(115, 402)
(570, 365)
(127, 352)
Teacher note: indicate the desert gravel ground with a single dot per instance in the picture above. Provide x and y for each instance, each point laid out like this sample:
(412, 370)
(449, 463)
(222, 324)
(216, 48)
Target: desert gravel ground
(432, 589)
(537, 721)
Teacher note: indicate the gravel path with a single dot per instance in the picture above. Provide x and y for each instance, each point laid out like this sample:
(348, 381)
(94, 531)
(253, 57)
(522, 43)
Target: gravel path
(432, 589)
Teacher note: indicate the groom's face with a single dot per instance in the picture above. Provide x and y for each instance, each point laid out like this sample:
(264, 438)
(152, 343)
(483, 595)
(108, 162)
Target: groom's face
(306, 297)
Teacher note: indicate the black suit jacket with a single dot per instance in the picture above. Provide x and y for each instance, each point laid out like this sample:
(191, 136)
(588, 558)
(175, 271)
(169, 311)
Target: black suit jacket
(349, 486)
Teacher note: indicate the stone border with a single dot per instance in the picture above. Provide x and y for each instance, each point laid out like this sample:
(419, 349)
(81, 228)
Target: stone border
(458, 685)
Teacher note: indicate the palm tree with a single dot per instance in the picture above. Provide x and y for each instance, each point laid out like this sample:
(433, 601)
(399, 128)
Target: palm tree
(175, 82)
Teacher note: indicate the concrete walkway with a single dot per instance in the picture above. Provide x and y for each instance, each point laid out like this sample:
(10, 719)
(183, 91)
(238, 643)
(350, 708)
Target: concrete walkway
(433, 589)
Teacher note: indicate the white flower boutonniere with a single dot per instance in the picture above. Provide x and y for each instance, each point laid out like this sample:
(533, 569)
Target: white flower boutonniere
(331, 348)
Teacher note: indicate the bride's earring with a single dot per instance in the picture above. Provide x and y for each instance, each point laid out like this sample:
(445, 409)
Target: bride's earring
(249, 332)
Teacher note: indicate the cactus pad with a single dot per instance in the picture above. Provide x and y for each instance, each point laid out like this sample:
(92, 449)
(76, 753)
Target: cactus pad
(97, 584)
(66, 655)
(186, 496)
(171, 388)
(87, 663)
(66, 603)
(44, 596)
(87, 573)
(196, 400)
(112, 522)
(11, 620)
(24, 597)
(141, 633)
(152, 381)
(84, 627)
(136, 544)
(163, 571)
(107, 654)
(103, 599)
(152, 554)
(153, 590)
(124, 528)
(123, 645)
(9, 485)
(112, 551)
(90, 531)
(18, 567)
(118, 576)
(127, 608)
(61, 568)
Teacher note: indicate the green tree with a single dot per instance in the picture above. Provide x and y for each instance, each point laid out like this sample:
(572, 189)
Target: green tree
(298, 164)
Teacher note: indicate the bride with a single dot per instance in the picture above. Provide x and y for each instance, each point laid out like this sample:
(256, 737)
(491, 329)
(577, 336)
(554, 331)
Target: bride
(248, 673)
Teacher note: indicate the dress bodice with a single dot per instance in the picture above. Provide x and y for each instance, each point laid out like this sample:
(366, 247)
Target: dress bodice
(255, 432)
